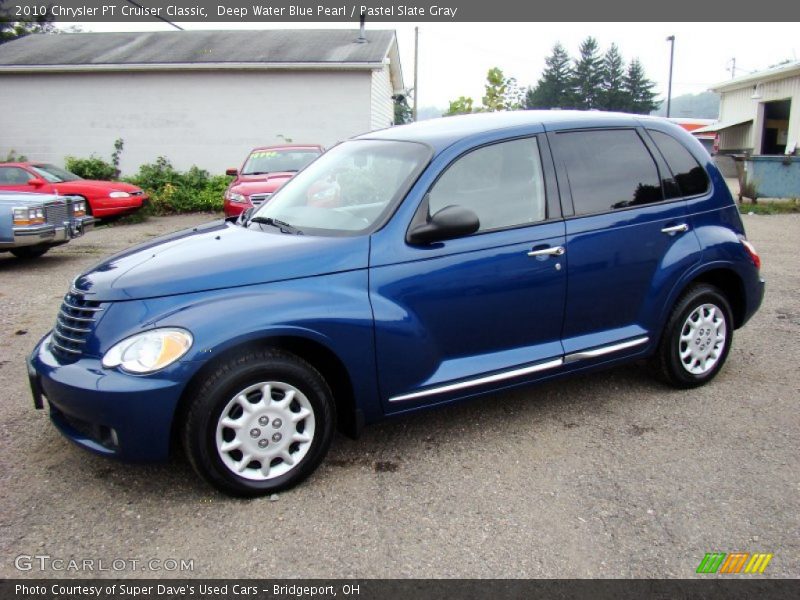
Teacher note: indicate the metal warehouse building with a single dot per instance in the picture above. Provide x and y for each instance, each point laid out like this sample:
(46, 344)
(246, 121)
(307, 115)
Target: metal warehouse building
(195, 97)
(760, 112)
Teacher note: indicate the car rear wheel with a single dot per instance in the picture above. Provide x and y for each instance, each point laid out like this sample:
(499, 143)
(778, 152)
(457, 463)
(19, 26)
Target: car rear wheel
(697, 338)
(260, 423)
(28, 252)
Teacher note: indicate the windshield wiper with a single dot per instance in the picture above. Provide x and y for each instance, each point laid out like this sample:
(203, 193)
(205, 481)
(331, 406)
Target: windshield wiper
(282, 225)
(258, 173)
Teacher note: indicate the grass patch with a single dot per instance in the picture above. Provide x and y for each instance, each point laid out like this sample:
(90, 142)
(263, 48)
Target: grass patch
(771, 208)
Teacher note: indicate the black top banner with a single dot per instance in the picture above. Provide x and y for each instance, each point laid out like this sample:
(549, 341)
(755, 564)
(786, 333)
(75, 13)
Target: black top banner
(399, 11)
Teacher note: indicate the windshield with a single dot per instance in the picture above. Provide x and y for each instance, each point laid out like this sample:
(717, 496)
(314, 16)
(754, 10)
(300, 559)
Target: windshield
(276, 161)
(347, 190)
(54, 174)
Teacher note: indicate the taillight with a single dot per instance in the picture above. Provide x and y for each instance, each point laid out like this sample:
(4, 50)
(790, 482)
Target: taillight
(751, 251)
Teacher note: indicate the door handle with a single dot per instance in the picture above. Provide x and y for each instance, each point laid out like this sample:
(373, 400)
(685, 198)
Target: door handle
(554, 251)
(675, 229)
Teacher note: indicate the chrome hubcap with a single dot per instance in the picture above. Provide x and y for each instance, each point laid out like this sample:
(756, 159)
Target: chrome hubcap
(703, 339)
(265, 430)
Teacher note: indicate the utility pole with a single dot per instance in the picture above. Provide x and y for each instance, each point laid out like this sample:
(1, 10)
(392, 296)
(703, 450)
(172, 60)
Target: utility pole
(416, 69)
(671, 40)
(733, 68)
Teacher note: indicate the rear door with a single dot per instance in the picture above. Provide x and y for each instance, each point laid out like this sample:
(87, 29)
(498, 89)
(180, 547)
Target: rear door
(628, 240)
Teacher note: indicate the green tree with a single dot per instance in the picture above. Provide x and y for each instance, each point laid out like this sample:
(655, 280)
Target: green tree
(553, 90)
(501, 92)
(462, 106)
(587, 77)
(614, 96)
(639, 89)
(402, 111)
(10, 30)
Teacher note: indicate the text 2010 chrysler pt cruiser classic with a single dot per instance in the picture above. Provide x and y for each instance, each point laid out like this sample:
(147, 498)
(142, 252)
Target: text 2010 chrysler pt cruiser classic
(404, 269)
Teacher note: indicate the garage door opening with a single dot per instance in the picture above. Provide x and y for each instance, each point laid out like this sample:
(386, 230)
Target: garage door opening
(775, 133)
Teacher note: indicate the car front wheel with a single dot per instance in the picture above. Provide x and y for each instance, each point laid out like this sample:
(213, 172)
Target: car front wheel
(260, 423)
(697, 338)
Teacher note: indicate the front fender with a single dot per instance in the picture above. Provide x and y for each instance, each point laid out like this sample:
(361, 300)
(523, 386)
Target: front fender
(331, 310)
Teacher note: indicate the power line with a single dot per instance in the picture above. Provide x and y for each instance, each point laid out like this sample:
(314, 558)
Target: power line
(160, 18)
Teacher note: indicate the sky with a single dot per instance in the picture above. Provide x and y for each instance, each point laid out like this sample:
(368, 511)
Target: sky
(454, 57)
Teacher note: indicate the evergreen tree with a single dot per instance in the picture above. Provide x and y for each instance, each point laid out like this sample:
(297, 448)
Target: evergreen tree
(587, 78)
(402, 111)
(553, 90)
(613, 96)
(639, 89)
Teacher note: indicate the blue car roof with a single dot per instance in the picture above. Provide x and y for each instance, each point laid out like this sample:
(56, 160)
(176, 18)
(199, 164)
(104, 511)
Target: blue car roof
(441, 133)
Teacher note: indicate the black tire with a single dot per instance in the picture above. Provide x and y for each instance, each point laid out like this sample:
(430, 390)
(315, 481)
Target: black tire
(668, 364)
(28, 252)
(215, 393)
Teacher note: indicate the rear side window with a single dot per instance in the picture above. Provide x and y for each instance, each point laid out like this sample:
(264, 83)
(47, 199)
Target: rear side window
(608, 170)
(502, 183)
(691, 177)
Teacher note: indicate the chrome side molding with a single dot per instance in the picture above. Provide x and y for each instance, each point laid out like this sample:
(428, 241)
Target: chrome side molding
(550, 364)
(603, 350)
(542, 366)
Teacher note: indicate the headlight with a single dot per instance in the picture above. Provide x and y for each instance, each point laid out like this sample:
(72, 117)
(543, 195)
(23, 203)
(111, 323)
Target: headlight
(119, 195)
(149, 351)
(234, 197)
(79, 208)
(28, 216)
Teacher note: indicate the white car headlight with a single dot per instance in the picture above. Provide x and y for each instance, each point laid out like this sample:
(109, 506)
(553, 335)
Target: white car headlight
(119, 195)
(149, 351)
(235, 197)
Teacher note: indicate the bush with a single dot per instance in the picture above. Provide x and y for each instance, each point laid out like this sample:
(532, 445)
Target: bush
(172, 191)
(12, 156)
(93, 167)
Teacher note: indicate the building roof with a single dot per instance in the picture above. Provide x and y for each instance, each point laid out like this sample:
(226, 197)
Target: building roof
(319, 48)
(790, 69)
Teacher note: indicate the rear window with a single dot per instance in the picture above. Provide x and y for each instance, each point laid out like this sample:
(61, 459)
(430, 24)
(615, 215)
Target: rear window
(608, 170)
(692, 179)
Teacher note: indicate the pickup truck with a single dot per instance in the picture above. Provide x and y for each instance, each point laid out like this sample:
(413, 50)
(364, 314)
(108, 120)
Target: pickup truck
(31, 224)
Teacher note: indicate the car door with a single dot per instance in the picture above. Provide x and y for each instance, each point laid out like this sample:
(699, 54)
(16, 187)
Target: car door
(464, 315)
(628, 240)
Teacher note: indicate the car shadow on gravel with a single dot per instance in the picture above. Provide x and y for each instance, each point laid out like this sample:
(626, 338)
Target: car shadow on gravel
(386, 448)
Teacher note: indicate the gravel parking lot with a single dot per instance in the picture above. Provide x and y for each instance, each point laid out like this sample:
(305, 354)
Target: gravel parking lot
(606, 475)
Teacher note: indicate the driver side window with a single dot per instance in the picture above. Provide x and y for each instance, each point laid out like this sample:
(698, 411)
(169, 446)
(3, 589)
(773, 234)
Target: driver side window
(502, 183)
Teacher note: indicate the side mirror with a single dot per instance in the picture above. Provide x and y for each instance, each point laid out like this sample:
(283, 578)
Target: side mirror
(448, 223)
(245, 215)
(35, 183)
(232, 172)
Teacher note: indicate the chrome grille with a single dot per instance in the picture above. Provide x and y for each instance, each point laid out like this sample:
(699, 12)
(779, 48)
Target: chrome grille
(74, 323)
(56, 214)
(259, 199)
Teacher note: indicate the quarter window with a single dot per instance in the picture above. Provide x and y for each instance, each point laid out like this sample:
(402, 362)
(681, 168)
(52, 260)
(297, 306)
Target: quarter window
(502, 183)
(691, 177)
(608, 170)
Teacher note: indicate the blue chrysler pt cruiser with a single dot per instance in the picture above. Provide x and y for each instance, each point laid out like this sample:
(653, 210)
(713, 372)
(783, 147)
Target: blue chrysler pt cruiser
(403, 269)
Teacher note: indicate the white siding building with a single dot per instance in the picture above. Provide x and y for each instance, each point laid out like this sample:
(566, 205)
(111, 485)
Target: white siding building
(760, 112)
(195, 97)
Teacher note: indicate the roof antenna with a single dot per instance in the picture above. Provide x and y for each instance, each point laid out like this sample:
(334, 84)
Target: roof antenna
(361, 39)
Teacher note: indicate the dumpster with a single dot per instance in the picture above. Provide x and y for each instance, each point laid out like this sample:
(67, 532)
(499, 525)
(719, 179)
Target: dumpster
(768, 176)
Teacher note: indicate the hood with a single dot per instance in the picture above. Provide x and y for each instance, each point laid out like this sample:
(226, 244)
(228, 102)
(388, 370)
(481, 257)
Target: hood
(219, 255)
(260, 184)
(94, 183)
(27, 198)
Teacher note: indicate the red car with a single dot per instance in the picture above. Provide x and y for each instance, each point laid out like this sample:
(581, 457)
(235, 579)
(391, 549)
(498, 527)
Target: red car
(104, 198)
(264, 171)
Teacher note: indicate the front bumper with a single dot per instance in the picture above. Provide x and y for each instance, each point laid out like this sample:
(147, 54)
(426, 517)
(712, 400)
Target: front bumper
(34, 235)
(104, 410)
